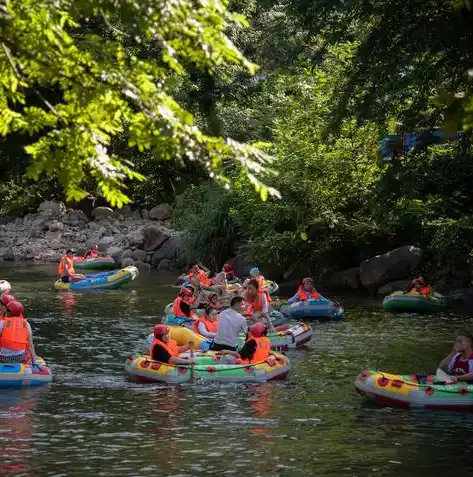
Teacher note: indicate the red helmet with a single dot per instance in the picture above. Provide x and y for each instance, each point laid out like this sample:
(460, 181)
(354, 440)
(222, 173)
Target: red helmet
(7, 299)
(160, 330)
(185, 291)
(227, 268)
(257, 330)
(15, 308)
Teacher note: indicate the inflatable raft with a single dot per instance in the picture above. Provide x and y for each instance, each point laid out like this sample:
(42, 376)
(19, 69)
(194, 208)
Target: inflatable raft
(285, 337)
(271, 287)
(310, 309)
(182, 336)
(98, 263)
(414, 302)
(210, 367)
(395, 390)
(99, 281)
(18, 375)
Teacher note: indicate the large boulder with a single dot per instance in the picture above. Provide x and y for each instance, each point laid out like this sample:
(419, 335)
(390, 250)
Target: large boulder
(154, 237)
(105, 243)
(75, 217)
(56, 226)
(240, 265)
(56, 244)
(126, 262)
(8, 254)
(461, 298)
(391, 287)
(171, 250)
(349, 278)
(125, 211)
(50, 206)
(139, 255)
(100, 213)
(116, 254)
(394, 265)
(136, 238)
(160, 212)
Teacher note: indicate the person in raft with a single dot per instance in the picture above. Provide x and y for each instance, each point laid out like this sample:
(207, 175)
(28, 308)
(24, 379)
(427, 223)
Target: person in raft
(199, 278)
(230, 323)
(257, 303)
(6, 298)
(16, 337)
(207, 325)
(184, 303)
(93, 252)
(420, 285)
(306, 291)
(257, 346)
(459, 363)
(255, 274)
(229, 273)
(165, 349)
(66, 270)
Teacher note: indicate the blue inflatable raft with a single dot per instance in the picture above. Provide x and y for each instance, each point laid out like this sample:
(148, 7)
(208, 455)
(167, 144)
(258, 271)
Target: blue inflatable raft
(318, 309)
(98, 281)
(17, 375)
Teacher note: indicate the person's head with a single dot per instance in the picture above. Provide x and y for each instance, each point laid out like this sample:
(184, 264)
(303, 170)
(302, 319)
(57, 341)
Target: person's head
(227, 268)
(161, 332)
(212, 297)
(258, 330)
(237, 303)
(211, 313)
(254, 272)
(70, 253)
(95, 247)
(195, 268)
(253, 287)
(15, 308)
(464, 342)
(186, 292)
(308, 283)
(6, 298)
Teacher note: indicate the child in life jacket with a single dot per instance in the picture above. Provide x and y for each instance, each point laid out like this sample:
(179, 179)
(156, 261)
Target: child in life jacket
(257, 346)
(459, 363)
(306, 291)
(165, 349)
(184, 303)
(257, 303)
(207, 325)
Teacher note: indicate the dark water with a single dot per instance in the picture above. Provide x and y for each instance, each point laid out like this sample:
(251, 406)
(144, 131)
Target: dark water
(92, 422)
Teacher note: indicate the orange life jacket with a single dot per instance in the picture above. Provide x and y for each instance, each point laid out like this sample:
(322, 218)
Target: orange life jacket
(426, 290)
(303, 294)
(170, 347)
(254, 303)
(176, 305)
(263, 348)
(91, 254)
(69, 266)
(209, 325)
(202, 277)
(15, 333)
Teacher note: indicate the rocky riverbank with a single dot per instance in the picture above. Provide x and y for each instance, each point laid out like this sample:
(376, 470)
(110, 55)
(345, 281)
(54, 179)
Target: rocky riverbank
(141, 238)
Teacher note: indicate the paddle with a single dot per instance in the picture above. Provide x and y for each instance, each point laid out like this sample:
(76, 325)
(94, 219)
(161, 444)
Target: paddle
(192, 364)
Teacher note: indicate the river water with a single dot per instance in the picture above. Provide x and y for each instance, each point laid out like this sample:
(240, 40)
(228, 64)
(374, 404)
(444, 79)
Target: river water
(92, 422)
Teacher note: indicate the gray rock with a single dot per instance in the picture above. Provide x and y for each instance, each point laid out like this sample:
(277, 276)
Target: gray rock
(172, 250)
(393, 265)
(397, 285)
(56, 244)
(127, 254)
(56, 207)
(136, 237)
(100, 213)
(154, 237)
(8, 254)
(56, 226)
(145, 214)
(139, 255)
(126, 262)
(104, 243)
(462, 298)
(116, 254)
(349, 278)
(142, 266)
(125, 211)
(160, 212)
(75, 217)
(165, 265)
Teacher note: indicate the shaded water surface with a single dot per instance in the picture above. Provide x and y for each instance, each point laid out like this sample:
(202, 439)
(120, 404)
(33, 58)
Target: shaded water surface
(92, 422)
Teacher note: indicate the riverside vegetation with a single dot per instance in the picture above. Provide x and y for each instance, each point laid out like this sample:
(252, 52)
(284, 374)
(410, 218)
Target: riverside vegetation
(120, 105)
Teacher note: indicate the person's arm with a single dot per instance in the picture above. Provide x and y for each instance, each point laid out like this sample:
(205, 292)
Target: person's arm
(229, 352)
(31, 349)
(265, 304)
(180, 361)
(243, 324)
(205, 269)
(444, 364)
(293, 299)
(186, 347)
(204, 332)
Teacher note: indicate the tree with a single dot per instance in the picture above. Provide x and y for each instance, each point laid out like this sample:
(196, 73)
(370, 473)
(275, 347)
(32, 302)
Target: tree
(77, 75)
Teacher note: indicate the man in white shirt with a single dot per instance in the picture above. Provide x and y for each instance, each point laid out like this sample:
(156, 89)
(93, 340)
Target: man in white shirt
(230, 323)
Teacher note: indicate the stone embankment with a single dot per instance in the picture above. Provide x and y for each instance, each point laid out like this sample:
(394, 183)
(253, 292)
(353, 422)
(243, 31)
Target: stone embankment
(142, 238)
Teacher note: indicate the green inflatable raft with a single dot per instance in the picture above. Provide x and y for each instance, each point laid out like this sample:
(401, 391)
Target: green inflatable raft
(413, 302)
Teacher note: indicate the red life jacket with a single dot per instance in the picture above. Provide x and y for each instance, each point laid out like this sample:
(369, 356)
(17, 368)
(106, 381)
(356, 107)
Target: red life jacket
(303, 294)
(202, 278)
(69, 265)
(209, 325)
(263, 349)
(15, 333)
(254, 303)
(461, 366)
(176, 305)
(170, 347)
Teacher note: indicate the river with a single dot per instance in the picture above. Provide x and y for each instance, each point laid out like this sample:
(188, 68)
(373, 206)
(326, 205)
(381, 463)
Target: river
(92, 422)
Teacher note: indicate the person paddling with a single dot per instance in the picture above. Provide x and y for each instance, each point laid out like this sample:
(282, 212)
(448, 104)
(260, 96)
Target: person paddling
(66, 270)
(230, 323)
(165, 349)
(459, 363)
(16, 337)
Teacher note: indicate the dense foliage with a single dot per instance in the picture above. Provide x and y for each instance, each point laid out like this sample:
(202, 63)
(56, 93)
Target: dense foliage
(119, 91)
